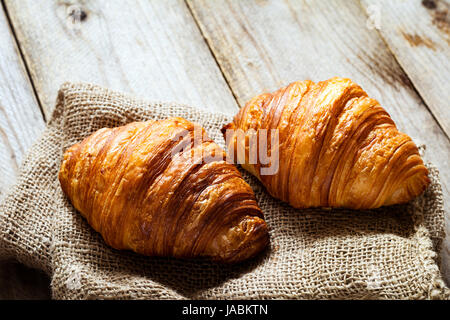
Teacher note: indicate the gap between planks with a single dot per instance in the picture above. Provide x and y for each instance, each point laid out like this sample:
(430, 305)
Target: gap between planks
(24, 61)
(212, 52)
(407, 75)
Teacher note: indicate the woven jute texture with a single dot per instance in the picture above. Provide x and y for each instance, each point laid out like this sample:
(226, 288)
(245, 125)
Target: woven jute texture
(388, 253)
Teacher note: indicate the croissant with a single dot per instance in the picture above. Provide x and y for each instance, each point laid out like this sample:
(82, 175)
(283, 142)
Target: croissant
(150, 187)
(336, 147)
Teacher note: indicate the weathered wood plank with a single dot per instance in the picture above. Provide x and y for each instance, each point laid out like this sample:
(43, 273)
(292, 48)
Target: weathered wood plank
(262, 45)
(20, 116)
(418, 34)
(151, 48)
(21, 122)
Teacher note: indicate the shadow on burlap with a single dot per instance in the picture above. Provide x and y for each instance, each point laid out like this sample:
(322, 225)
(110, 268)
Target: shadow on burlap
(388, 253)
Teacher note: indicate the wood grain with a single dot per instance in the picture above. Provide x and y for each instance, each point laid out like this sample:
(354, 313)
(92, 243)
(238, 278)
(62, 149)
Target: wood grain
(150, 48)
(20, 116)
(418, 34)
(262, 45)
(21, 122)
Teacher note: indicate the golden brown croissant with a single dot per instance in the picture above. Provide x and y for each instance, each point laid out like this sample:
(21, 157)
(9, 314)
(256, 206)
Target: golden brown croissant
(149, 187)
(337, 147)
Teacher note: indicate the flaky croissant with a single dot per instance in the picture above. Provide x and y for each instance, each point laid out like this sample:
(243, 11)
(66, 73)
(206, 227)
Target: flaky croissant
(150, 188)
(337, 147)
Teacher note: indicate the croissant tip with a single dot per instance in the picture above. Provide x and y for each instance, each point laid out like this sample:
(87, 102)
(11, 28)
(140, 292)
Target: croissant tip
(226, 127)
(426, 183)
(256, 240)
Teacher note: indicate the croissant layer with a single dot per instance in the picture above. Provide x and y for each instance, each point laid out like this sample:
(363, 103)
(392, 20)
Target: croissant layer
(155, 188)
(337, 147)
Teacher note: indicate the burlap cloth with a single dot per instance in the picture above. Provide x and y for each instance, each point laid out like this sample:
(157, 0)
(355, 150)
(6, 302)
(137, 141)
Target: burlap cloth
(387, 253)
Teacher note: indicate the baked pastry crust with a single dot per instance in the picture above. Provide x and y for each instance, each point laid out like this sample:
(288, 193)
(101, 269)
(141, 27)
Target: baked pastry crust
(147, 187)
(337, 147)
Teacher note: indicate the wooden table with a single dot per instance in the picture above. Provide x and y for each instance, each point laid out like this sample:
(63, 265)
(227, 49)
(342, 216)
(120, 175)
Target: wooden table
(216, 55)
